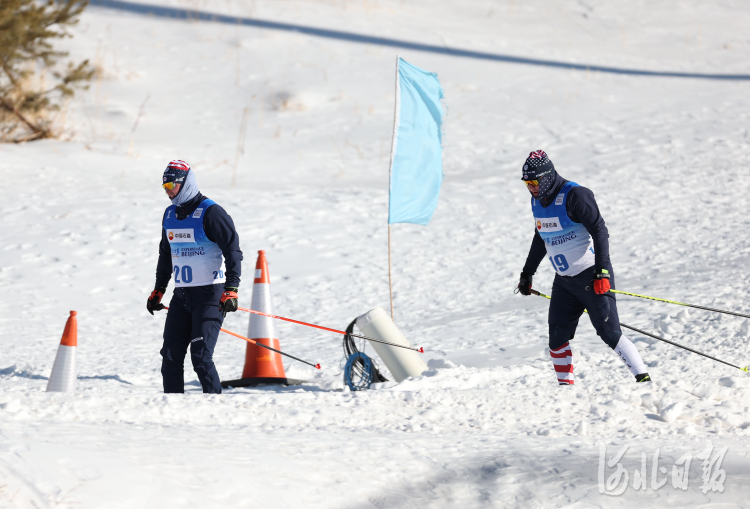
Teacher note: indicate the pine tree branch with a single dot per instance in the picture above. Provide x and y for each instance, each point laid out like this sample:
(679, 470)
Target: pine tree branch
(8, 72)
(36, 129)
(30, 137)
(27, 30)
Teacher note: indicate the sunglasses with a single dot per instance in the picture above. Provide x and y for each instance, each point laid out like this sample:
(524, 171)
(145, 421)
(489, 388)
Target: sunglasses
(169, 185)
(536, 182)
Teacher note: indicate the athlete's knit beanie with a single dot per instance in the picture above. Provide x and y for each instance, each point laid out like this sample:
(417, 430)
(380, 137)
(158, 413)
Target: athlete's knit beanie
(179, 172)
(539, 167)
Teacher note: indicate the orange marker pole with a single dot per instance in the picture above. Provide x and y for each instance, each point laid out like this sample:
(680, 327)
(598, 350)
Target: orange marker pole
(420, 350)
(316, 366)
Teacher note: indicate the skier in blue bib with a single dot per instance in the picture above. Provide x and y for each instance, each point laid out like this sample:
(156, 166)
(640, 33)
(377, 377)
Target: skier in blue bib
(196, 234)
(570, 233)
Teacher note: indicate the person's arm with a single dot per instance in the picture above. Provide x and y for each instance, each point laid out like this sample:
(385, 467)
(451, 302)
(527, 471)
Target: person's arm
(220, 229)
(582, 208)
(164, 265)
(163, 274)
(537, 253)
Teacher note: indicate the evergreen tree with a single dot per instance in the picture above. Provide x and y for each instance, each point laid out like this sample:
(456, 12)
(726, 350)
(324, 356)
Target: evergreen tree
(27, 30)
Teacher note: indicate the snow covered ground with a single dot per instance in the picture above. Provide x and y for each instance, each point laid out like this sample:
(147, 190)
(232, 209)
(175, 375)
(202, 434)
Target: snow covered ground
(486, 425)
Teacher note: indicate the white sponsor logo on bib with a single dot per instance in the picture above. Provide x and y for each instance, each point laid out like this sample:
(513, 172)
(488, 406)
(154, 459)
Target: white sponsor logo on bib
(559, 199)
(181, 235)
(197, 213)
(548, 224)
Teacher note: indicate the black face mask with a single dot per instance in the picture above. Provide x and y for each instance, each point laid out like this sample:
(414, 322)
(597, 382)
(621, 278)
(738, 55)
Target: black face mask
(546, 182)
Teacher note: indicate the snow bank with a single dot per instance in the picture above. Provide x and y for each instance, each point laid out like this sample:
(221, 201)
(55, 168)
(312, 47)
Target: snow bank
(486, 424)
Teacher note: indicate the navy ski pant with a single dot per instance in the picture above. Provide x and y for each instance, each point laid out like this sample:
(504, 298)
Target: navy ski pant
(570, 296)
(193, 320)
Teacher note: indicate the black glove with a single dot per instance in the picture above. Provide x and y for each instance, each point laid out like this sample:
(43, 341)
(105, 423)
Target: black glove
(154, 300)
(524, 284)
(228, 303)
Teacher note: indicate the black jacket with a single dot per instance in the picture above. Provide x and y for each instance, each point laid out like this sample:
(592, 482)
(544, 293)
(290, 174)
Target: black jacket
(219, 228)
(582, 208)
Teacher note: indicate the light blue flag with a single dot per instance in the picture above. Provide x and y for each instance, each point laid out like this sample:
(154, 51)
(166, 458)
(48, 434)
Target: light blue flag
(417, 164)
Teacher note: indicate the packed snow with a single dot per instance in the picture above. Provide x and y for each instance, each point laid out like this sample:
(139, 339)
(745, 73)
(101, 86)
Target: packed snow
(486, 425)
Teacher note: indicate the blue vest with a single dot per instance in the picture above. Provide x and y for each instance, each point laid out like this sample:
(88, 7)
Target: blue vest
(196, 261)
(569, 245)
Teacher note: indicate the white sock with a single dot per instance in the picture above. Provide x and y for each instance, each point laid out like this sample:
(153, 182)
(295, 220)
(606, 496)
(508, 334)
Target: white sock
(630, 356)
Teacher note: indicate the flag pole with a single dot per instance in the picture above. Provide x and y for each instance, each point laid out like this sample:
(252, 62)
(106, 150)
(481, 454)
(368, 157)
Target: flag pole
(390, 171)
(390, 284)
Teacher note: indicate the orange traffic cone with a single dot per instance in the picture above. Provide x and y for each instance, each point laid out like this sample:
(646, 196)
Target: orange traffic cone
(262, 366)
(63, 376)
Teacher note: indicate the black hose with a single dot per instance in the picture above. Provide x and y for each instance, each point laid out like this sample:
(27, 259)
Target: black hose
(350, 348)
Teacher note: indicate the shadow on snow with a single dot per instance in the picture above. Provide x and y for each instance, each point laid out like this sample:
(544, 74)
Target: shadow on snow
(187, 14)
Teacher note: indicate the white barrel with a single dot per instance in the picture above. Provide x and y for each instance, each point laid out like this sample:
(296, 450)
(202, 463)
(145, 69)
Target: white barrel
(402, 363)
(63, 377)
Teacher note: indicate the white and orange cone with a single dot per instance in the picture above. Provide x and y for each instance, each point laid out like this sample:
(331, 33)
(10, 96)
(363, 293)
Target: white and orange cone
(262, 366)
(63, 377)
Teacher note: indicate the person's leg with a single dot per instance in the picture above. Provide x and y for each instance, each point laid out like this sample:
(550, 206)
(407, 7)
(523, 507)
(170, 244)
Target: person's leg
(632, 358)
(207, 322)
(605, 319)
(564, 311)
(176, 341)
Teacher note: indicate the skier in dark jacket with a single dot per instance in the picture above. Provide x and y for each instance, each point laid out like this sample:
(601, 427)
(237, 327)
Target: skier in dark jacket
(570, 232)
(196, 234)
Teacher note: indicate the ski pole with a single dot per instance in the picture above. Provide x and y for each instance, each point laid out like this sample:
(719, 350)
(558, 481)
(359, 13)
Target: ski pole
(745, 369)
(420, 349)
(317, 366)
(680, 303)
